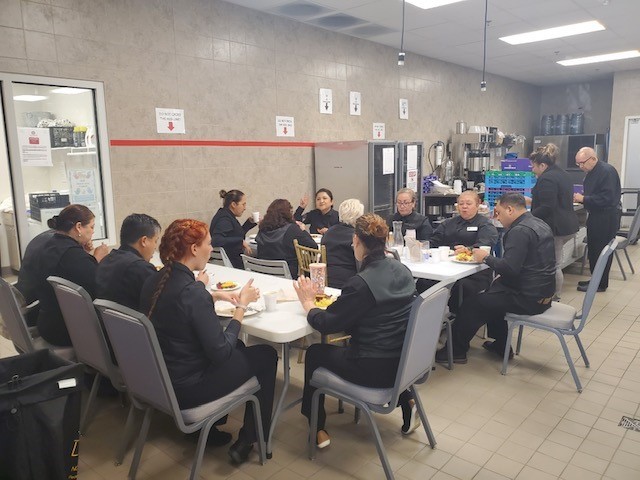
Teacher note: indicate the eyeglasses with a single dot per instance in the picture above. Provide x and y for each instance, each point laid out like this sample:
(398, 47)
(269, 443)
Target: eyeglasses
(404, 204)
(582, 163)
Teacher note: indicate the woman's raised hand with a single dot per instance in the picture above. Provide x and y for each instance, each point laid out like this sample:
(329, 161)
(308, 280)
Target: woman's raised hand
(304, 201)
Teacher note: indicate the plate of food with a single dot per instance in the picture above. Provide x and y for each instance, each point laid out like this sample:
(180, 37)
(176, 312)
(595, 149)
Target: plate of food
(226, 286)
(226, 309)
(464, 257)
(323, 301)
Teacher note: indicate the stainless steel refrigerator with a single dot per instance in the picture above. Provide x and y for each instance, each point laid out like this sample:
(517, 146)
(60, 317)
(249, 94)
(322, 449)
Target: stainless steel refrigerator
(409, 168)
(365, 170)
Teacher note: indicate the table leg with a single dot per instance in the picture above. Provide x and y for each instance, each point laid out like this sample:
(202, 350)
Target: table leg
(280, 405)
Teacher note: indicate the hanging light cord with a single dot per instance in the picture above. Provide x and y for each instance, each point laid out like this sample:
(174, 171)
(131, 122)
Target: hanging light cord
(484, 47)
(402, 34)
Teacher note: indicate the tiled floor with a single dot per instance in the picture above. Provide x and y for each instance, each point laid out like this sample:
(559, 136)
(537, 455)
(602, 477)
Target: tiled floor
(529, 424)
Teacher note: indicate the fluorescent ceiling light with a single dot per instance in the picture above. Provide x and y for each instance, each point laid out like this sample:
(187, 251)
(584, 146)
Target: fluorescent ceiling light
(29, 98)
(69, 90)
(425, 4)
(556, 32)
(608, 57)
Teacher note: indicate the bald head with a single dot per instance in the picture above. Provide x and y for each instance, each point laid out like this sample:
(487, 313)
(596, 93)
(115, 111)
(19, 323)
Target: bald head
(586, 159)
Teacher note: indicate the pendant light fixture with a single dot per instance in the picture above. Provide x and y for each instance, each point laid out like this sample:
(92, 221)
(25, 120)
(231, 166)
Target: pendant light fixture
(401, 53)
(483, 83)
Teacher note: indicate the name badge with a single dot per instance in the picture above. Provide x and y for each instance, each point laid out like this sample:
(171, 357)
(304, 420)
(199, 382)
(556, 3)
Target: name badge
(472, 229)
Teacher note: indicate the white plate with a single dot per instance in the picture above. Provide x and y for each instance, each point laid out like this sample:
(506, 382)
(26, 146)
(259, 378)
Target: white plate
(216, 289)
(225, 309)
(252, 236)
(455, 260)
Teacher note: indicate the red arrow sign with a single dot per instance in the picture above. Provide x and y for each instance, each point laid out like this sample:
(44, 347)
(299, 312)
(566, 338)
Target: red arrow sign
(284, 130)
(170, 127)
(379, 133)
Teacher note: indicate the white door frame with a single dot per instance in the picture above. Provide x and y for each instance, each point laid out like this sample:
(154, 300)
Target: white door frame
(20, 207)
(625, 141)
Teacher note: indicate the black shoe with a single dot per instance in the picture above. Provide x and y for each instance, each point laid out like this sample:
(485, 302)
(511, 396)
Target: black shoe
(442, 356)
(583, 283)
(217, 438)
(492, 347)
(239, 451)
(583, 288)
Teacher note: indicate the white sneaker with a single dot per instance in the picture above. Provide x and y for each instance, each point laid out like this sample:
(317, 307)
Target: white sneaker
(412, 422)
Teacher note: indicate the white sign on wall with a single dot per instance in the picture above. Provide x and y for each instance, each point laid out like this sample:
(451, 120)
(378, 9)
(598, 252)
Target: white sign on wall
(170, 120)
(378, 131)
(326, 101)
(35, 147)
(412, 157)
(285, 126)
(355, 103)
(403, 109)
(388, 160)
(82, 186)
(412, 179)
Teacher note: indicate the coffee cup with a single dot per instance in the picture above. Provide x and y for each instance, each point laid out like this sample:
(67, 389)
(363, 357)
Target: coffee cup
(270, 301)
(255, 217)
(444, 252)
(434, 255)
(486, 249)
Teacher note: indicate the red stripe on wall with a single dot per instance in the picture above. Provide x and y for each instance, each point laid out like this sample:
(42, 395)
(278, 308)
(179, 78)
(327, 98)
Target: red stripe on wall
(205, 143)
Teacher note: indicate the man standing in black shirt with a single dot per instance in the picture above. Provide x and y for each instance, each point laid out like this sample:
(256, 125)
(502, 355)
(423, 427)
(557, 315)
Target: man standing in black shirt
(122, 273)
(524, 285)
(602, 200)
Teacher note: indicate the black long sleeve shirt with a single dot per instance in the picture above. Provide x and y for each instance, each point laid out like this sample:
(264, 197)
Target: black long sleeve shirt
(552, 201)
(456, 230)
(602, 188)
(121, 275)
(188, 329)
(226, 232)
(316, 219)
(341, 262)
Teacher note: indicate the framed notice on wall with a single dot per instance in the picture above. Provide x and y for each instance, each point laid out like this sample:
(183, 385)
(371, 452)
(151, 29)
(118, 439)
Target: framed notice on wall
(82, 186)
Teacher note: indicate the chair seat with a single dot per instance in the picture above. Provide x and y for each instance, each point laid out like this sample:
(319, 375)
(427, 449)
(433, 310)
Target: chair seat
(375, 396)
(195, 414)
(558, 315)
(623, 242)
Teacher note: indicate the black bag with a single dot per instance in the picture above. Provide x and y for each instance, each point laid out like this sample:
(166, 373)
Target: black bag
(40, 396)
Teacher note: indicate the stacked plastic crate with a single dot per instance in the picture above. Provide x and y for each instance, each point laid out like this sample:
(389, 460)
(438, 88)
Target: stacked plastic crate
(498, 182)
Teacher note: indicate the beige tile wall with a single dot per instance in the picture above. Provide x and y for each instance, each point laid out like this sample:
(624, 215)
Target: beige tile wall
(233, 70)
(626, 102)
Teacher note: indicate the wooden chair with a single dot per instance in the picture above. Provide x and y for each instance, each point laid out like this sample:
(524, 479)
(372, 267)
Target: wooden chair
(307, 256)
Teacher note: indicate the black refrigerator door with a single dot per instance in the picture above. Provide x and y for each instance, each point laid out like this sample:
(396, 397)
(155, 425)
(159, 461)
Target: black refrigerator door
(383, 184)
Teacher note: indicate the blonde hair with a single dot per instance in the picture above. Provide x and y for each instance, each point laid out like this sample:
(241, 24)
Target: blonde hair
(350, 210)
(546, 154)
(408, 191)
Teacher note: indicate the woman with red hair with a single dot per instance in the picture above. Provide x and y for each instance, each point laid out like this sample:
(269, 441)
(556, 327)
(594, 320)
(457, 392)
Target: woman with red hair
(205, 361)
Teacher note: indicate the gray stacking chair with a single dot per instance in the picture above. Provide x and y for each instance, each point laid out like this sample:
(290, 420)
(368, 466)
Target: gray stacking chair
(220, 257)
(560, 318)
(416, 360)
(17, 327)
(91, 347)
(278, 268)
(624, 242)
(139, 356)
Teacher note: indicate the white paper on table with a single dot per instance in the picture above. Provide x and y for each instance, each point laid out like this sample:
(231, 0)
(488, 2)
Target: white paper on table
(412, 157)
(287, 295)
(388, 160)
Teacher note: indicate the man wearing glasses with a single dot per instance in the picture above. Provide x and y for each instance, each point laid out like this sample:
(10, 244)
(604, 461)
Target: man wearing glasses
(602, 200)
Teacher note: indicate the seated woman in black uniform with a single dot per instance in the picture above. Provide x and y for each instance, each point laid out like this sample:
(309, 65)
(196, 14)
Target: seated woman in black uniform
(276, 235)
(406, 213)
(374, 309)
(322, 217)
(226, 231)
(341, 264)
(205, 361)
(65, 254)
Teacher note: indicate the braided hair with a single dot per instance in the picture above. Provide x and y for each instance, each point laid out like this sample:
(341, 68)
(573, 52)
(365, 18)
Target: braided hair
(372, 231)
(174, 245)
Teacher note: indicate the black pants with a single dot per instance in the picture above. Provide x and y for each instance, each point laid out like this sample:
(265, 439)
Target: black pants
(368, 372)
(217, 381)
(468, 286)
(601, 229)
(490, 308)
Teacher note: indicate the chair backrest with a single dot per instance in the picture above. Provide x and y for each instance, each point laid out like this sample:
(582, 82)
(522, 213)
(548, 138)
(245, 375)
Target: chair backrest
(13, 319)
(594, 283)
(421, 339)
(220, 257)
(307, 256)
(135, 344)
(85, 329)
(634, 228)
(277, 268)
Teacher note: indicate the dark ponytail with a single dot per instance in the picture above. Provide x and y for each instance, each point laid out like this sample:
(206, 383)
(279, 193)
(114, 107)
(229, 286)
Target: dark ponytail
(232, 196)
(545, 154)
(69, 216)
